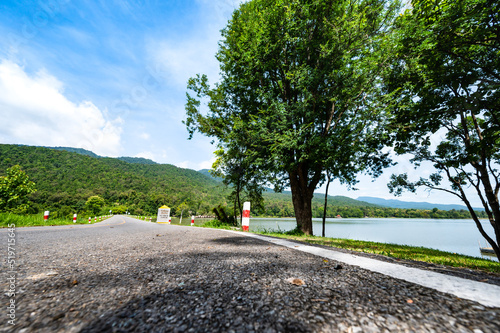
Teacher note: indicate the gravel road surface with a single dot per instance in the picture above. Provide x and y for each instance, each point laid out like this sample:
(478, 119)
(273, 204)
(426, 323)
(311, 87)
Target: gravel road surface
(124, 275)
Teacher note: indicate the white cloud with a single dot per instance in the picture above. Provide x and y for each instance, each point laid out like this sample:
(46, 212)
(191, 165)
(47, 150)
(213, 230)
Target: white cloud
(147, 154)
(182, 57)
(180, 60)
(183, 165)
(206, 164)
(34, 111)
(220, 10)
(145, 136)
(196, 166)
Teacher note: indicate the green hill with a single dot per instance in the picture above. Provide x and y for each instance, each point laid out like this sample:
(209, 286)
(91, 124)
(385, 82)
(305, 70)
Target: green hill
(65, 180)
(80, 151)
(137, 160)
(66, 177)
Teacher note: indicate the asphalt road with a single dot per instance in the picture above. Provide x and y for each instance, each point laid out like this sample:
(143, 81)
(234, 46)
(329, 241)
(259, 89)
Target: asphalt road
(125, 275)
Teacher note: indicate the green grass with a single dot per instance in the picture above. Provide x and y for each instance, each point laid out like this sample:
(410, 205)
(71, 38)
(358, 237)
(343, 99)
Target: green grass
(212, 223)
(396, 251)
(7, 219)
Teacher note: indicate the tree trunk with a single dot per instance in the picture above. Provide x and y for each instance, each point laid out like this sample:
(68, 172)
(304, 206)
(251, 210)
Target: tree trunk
(492, 199)
(303, 212)
(493, 244)
(302, 194)
(328, 180)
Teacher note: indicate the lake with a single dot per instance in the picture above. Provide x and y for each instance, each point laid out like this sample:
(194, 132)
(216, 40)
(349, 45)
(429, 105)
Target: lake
(456, 236)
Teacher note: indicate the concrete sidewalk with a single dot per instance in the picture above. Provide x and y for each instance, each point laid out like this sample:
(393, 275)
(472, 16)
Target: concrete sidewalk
(483, 293)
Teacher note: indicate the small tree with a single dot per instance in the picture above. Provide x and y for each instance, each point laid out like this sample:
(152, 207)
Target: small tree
(181, 208)
(242, 175)
(94, 204)
(14, 190)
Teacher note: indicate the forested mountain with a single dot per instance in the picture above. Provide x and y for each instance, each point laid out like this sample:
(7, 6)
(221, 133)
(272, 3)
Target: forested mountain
(415, 205)
(138, 160)
(81, 151)
(65, 180)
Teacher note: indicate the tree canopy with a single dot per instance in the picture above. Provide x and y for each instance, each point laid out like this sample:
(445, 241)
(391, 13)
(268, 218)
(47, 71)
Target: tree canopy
(446, 82)
(94, 204)
(14, 190)
(299, 94)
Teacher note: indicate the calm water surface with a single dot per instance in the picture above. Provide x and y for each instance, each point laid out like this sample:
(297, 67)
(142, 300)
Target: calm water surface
(459, 236)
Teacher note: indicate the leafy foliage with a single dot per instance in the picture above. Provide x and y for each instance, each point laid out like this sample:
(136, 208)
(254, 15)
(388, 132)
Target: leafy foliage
(446, 82)
(298, 96)
(94, 204)
(14, 190)
(65, 181)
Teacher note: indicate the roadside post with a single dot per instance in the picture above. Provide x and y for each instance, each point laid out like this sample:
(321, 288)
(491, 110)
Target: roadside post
(192, 220)
(46, 216)
(163, 215)
(90, 219)
(245, 219)
(74, 218)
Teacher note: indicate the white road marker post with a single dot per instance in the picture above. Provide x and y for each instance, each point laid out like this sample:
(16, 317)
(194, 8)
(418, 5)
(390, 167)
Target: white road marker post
(192, 220)
(245, 218)
(74, 218)
(90, 219)
(46, 216)
(163, 215)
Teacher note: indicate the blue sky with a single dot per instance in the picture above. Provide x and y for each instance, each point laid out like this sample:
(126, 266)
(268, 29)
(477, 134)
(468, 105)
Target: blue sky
(110, 76)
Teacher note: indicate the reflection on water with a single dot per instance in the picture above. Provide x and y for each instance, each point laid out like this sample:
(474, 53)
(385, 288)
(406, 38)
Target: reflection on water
(456, 236)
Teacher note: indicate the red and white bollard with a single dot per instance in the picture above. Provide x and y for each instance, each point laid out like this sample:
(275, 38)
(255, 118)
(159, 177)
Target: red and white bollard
(95, 219)
(46, 216)
(150, 218)
(169, 220)
(74, 218)
(192, 220)
(90, 219)
(245, 220)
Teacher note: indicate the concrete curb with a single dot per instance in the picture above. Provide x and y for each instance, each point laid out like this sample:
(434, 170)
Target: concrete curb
(483, 293)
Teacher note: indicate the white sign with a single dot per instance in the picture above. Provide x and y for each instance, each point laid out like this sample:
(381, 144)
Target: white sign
(163, 215)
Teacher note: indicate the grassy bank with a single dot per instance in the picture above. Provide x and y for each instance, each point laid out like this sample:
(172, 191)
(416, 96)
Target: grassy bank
(7, 219)
(397, 251)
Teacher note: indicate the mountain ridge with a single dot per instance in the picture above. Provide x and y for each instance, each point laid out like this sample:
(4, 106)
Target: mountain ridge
(66, 179)
(394, 203)
(85, 152)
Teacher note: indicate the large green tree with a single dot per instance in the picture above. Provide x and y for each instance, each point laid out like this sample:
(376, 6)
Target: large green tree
(446, 79)
(299, 93)
(94, 204)
(15, 187)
